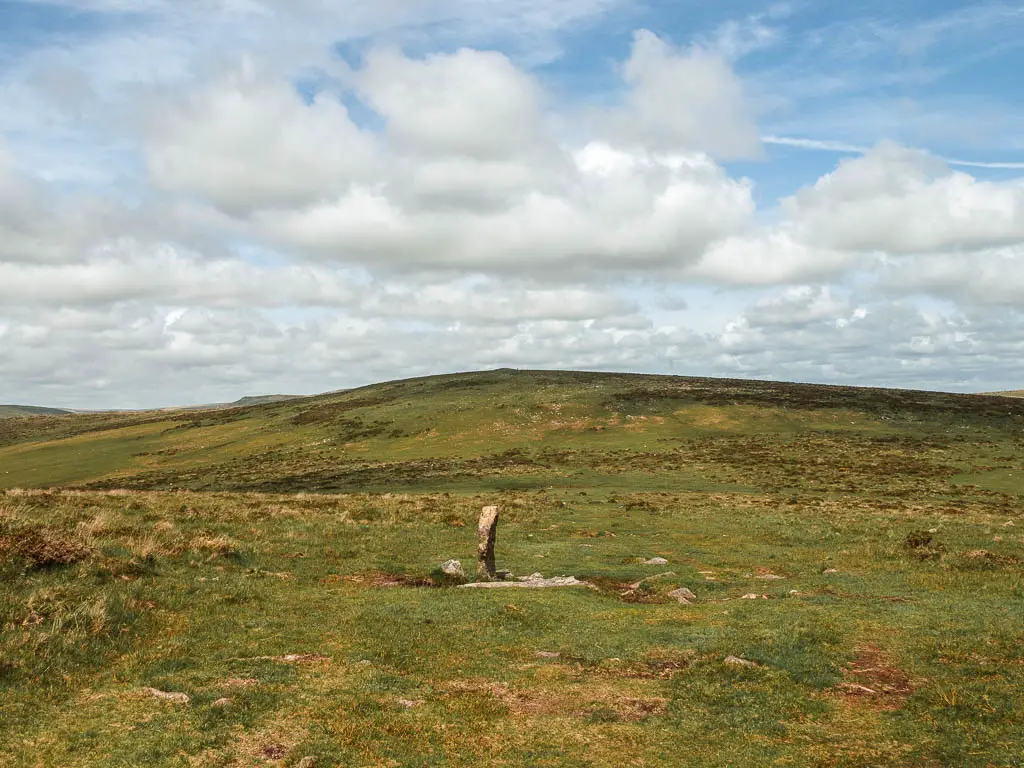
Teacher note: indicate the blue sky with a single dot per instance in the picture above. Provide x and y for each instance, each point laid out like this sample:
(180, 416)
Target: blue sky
(221, 197)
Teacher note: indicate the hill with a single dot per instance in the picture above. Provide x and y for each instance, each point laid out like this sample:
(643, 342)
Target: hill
(778, 574)
(15, 411)
(509, 429)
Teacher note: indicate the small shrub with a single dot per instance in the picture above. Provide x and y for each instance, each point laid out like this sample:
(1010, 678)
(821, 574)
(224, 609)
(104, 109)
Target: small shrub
(923, 544)
(40, 547)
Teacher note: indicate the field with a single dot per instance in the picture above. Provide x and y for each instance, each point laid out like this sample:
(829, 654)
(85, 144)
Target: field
(257, 586)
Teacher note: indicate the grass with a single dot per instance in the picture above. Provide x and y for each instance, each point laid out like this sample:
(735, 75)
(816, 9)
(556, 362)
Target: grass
(895, 635)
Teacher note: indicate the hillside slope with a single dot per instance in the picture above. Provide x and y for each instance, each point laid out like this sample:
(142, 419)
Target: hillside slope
(512, 429)
(17, 411)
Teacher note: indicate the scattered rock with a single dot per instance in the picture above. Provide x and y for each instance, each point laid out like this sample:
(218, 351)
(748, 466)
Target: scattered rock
(794, 592)
(453, 568)
(410, 703)
(504, 575)
(830, 570)
(223, 702)
(548, 654)
(656, 561)
(683, 595)
(665, 575)
(769, 576)
(307, 762)
(176, 698)
(364, 663)
(536, 581)
(300, 658)
(487, 530)
(736, 661)
(855, 689)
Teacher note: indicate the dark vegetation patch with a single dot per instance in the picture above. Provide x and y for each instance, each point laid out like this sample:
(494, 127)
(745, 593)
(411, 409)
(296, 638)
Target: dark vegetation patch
(38, 546)
(924, 545)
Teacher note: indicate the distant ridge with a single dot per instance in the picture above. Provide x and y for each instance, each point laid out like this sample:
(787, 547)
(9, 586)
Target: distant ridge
(242, 402)
(17, 411)
(1008, 393)
(14, 411)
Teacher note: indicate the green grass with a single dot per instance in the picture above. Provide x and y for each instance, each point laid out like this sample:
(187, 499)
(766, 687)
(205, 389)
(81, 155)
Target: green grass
(894, 519)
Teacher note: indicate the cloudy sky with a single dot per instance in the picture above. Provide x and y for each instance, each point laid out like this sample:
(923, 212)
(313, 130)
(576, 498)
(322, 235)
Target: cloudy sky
(202, 199)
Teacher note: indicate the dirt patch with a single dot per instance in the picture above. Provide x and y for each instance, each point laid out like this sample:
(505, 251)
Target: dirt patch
(398, 580)
(873, 679)
(599, 700)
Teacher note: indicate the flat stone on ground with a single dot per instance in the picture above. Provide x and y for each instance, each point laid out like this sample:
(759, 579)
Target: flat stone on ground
(536, 581)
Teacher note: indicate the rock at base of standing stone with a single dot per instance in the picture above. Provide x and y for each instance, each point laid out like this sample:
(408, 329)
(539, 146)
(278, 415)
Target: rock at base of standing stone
(683, 595)
(736, 661)
(487, 530)
(453, 568)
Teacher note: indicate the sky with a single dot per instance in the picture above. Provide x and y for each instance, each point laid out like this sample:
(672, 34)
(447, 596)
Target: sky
(205, 199)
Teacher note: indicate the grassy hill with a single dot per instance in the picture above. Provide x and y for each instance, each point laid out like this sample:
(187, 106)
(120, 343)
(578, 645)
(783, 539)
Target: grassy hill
(14, 411)
(274, 570)
(508, 429)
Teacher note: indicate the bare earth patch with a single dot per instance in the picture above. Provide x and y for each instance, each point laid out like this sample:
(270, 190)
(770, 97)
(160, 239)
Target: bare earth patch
(872, 678)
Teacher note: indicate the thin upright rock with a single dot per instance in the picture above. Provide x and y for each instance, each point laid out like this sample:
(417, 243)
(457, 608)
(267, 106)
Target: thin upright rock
(487, 531)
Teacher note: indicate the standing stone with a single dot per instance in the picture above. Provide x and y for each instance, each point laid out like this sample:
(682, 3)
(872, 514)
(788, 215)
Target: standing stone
(486, 532)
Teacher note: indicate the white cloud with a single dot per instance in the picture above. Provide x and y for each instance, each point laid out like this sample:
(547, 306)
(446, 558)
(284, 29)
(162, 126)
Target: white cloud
(614, 210)
(766, 258)
(986, 278)
(455, 210)
(249, 141)
(468, 104)
(900, 200)
(685, 101)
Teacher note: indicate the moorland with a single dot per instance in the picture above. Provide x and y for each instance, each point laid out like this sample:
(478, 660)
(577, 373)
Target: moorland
(259, 585)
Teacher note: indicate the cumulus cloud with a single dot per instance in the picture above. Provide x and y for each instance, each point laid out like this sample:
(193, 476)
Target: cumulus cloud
(987, 278)
(466, 173)
(615, 210)
(471, 103)
(250, 141)
(900, 200)
(685, 101)
(293, 222)
(768, 257)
